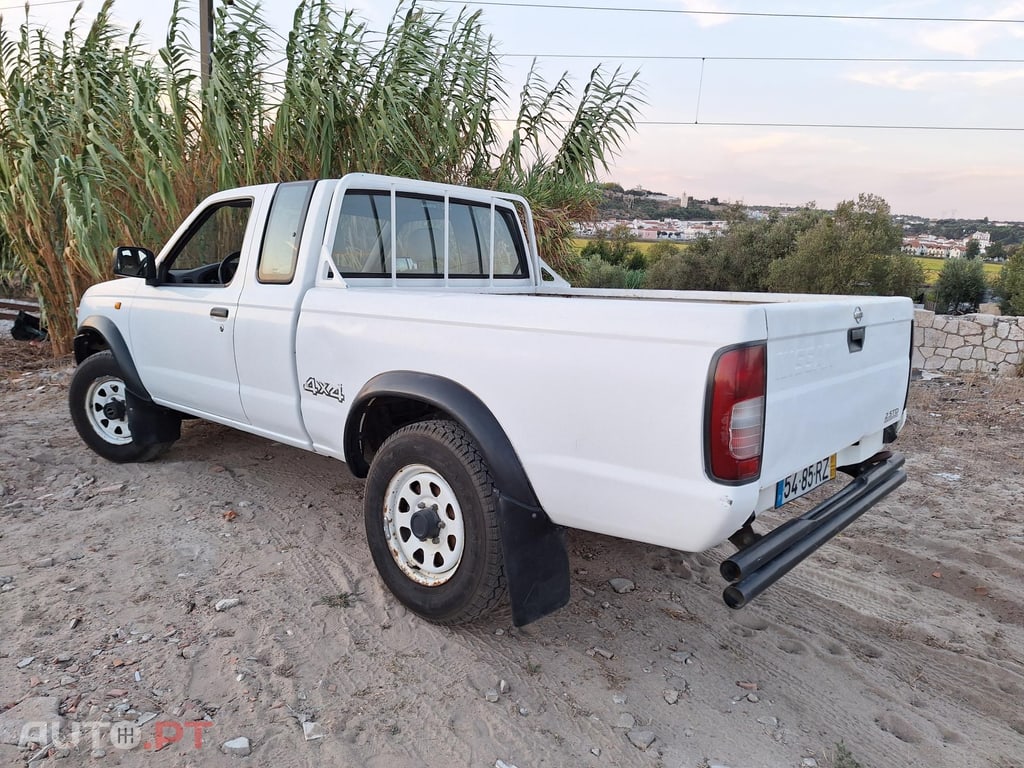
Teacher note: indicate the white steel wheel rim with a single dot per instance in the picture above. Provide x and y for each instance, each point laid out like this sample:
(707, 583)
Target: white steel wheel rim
(416, 490)
(104, 392)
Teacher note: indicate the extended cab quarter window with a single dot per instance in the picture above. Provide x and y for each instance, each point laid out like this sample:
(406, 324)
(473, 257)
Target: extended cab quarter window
(363, 247)
(284, 230)
(210, 251)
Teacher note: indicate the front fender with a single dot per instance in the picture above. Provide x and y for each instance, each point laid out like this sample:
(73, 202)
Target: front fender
(97, 333)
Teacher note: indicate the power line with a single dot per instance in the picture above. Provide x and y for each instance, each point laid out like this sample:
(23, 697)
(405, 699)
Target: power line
(852, 126)
(758, 14)
(858, 126)
(859, 59)
(33, 4)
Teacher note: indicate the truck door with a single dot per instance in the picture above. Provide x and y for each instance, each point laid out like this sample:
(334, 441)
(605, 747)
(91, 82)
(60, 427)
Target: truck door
(268, 310)
(183, 328)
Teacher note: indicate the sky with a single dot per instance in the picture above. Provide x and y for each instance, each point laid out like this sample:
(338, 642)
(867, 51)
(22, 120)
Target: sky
(681, 147)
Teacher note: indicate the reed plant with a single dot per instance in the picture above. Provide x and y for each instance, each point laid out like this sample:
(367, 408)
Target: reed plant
(104, 143)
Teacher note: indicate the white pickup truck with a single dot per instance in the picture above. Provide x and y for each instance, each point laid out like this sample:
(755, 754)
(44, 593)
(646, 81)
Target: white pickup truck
(411, 330)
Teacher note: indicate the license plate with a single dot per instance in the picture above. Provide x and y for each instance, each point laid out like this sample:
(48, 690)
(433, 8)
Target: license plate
(805, 480)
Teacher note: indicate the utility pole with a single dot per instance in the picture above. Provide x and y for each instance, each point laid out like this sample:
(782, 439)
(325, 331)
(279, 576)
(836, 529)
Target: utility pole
(205, 42)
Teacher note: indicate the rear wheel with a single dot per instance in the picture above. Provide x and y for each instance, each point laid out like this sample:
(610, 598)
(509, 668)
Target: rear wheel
(431, 523)
(98, 400)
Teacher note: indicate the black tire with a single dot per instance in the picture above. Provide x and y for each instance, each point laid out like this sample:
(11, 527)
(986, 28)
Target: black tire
(476, 583)
(98, 381)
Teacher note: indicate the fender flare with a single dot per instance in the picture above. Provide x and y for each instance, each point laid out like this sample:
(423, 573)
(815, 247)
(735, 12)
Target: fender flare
(462, 405)
(534, 548)
(98, 328)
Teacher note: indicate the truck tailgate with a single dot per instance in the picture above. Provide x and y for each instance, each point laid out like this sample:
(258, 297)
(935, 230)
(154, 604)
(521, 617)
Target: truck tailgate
(837, 375)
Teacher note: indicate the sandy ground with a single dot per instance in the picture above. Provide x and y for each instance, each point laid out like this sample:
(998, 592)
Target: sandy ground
(903, 639)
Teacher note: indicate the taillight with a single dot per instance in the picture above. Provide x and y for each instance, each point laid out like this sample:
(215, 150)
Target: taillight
(735, 414)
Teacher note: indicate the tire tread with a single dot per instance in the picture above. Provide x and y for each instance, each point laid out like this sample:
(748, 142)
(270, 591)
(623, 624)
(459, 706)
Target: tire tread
(491, 592)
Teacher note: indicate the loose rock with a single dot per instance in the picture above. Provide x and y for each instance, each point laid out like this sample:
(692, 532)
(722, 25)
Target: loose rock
(809, 762)
(38, 709)
(671, 696)
(753, 698)
(603, 652)
(226, 604)
(239, 747)
(622, 586)
(44, 562)
(595, 751)
(641, 739)
(504, 687)
(312, 730)
(625, 720)
(26, 661)
(587, 591)
(502, 764)
(619, 699)
(491, 695)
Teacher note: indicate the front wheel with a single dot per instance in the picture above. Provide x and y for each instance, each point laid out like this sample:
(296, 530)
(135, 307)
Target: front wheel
(431, 523)
(99, 406)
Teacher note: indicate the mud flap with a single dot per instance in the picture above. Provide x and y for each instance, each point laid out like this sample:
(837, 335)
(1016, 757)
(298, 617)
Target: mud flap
(150, 424)
(536, 561)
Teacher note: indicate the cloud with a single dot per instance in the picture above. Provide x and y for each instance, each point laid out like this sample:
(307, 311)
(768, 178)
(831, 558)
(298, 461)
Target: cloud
(705, 5)
(970, 39)
(908, 80)
(780, 142)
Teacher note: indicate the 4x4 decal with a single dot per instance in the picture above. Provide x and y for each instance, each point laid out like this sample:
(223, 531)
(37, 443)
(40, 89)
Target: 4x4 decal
(316, 387)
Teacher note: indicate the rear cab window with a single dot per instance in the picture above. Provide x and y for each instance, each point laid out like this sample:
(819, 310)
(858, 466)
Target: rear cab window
(417, 236)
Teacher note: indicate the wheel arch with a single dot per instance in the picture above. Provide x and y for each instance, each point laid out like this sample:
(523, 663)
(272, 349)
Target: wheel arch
(534, 549)
(394, 399)
(97, 333)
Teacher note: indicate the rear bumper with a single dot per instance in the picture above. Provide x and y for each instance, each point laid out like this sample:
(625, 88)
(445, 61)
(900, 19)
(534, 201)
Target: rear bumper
(756, 567)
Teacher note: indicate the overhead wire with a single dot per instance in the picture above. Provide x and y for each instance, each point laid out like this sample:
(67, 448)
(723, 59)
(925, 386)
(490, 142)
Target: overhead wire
(756, 14)
(848, 59)
(29, 6)
(798, 59)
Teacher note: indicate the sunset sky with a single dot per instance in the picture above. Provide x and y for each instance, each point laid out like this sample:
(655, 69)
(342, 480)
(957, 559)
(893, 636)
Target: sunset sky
(939, 173)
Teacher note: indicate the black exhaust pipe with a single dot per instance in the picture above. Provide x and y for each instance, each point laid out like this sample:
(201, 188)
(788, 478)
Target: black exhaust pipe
(755, 568)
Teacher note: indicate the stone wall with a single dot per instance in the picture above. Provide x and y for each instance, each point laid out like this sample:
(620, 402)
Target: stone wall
(971, 343)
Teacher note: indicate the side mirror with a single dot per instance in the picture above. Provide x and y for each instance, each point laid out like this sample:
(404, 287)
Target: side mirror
(134, 261)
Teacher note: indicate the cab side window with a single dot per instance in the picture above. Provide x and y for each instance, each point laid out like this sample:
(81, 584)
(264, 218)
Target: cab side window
(280, 248)
(209, 252)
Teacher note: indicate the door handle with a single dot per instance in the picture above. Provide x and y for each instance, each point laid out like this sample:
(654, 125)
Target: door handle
(219, 312)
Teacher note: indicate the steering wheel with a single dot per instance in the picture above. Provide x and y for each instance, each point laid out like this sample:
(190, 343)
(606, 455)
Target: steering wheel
(225, 270)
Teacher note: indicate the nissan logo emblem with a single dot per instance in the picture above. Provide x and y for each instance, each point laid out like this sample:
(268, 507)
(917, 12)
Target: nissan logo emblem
(858, 314)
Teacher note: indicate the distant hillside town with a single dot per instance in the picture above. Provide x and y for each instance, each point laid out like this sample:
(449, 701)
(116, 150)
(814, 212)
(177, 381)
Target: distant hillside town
(655, 229)
(651, 216)
(945, 248)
